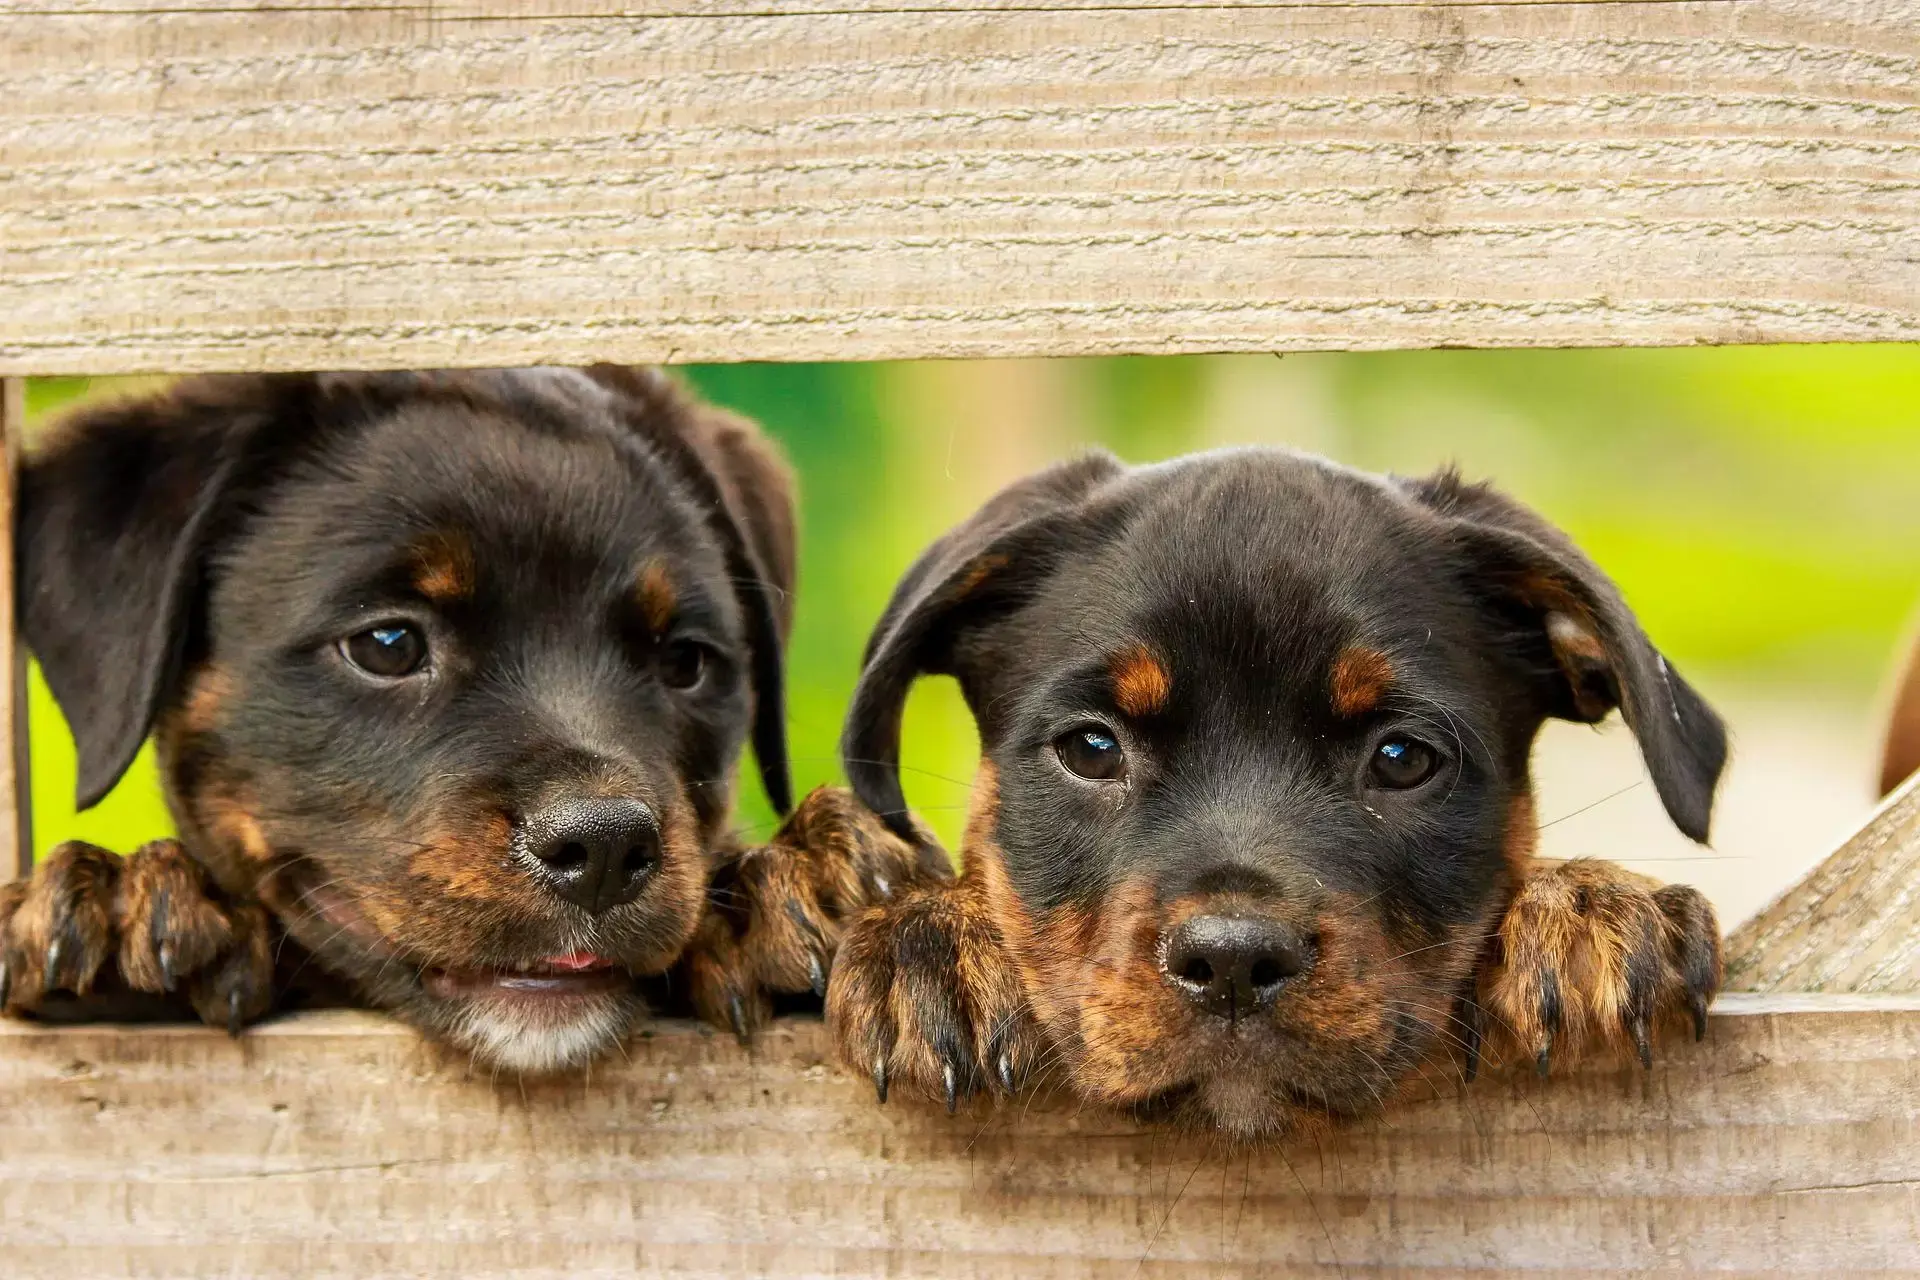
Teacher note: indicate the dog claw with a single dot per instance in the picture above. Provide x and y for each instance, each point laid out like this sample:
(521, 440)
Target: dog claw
(1642, 1045)
(737, 1015)
(880, 1079)
(55, 951)
(164, 955)
(1006, 1073)
(1697, 1004)
(1543, 1063)
(6, 983)
(817, 976)
(951, 1078)
(233, 1013)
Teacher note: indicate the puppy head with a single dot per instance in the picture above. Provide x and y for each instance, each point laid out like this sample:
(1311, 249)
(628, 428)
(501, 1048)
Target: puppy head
(1256, 732)
(451, 670)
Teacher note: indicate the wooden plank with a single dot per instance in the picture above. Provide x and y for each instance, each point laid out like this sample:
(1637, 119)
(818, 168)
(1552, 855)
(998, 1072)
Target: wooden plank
(336, 1145)
(205, 185)
(1853, 924)
(16, 766)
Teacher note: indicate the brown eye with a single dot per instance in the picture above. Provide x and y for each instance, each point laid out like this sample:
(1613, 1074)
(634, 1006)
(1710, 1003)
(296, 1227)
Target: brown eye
(390, 650)
(1091, 753)
(684, 664)
(1402, 763)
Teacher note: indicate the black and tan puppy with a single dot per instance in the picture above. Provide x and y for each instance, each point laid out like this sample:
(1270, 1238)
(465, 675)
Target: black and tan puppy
(448, 674)
(1253, 836)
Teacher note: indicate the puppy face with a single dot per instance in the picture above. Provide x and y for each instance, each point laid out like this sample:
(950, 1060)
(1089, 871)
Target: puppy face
(450, 671)
(1256, 733)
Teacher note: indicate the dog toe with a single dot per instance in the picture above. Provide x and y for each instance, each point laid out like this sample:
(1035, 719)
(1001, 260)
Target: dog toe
(170, 925)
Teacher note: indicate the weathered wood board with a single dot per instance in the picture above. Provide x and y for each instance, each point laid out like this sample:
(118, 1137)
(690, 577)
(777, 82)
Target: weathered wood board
(1852, 924)
(221, 184)
(337, 1145)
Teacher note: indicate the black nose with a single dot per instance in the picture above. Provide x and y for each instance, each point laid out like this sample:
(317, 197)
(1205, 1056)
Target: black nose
(1232, 966)
(596, 854)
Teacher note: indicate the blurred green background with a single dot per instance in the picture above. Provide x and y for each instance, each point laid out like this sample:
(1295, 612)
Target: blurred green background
(1760, 506)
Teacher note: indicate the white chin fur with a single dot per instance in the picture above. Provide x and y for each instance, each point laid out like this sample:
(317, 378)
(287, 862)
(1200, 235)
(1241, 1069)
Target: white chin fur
(534, 1041)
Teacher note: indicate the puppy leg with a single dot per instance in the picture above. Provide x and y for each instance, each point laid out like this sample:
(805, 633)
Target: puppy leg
(924, 993)
(110, 931)
(1590, 953)
(777, 912)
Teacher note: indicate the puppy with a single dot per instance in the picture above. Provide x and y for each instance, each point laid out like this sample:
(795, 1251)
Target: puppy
(1253, 836)
(448, 674)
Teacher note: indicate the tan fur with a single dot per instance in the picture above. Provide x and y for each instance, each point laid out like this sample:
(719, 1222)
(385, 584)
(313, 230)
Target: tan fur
(1141, 685)
(654, 592)
(1361, 677)
(443, 568)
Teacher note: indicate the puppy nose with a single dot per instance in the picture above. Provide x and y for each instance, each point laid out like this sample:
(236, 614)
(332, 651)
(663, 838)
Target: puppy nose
(595, 854)
(1232, 966)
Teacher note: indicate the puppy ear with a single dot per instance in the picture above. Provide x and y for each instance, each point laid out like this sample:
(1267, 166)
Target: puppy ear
(748, 488)
(1593, 654)
(978, 571)
(116, 512)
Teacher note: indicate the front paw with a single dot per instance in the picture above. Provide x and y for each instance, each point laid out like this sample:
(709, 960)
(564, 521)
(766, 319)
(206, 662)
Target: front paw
(778, 911)
(1590, 952)
(88, 922)
(923, 994)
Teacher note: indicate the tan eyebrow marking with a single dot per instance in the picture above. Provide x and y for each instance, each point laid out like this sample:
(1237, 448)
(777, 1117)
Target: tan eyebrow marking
(443, 567)
(1361, 677)
(1141, 684)
(653, 590)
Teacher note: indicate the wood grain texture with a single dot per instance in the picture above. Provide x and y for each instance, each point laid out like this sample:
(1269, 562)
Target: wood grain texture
(16, 759)
(1852, 924)
(207, 185)
(335, 1145)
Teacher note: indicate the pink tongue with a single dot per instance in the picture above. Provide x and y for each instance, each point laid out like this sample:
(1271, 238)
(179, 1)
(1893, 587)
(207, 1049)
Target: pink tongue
(576, 961)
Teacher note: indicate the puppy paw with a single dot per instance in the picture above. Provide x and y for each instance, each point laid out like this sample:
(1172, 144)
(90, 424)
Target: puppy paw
(150, 923)
(924, 996)
(779, 910)
(1590, 953)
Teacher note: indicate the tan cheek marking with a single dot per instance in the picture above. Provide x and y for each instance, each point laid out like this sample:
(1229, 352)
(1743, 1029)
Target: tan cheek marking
(653, 592)
(1360, 679)
(443, 569)
(1141, 684)
(226, 816)
(210, 690)
(468, 864)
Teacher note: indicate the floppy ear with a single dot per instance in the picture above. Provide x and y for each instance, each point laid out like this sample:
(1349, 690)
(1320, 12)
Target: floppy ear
(978, 571)
(116, 511)
(748, 491)
(1593, 654)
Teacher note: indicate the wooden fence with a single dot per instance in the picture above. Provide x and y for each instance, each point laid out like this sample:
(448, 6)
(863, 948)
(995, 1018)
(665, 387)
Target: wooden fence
(275, 184)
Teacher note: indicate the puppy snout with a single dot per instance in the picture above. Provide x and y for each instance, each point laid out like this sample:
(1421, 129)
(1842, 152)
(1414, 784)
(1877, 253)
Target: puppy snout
(596, 853)
(1233, 966)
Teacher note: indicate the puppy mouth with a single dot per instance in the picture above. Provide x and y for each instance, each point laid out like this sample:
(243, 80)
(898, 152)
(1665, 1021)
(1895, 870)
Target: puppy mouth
(575, 975)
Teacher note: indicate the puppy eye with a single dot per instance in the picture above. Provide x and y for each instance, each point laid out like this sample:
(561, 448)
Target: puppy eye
(1091, 753)
(390, 650)
(683, 664)
(1402, 763)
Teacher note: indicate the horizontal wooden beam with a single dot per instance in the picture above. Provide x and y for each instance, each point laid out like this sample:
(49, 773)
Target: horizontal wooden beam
(338, 1145)
(202, 184)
